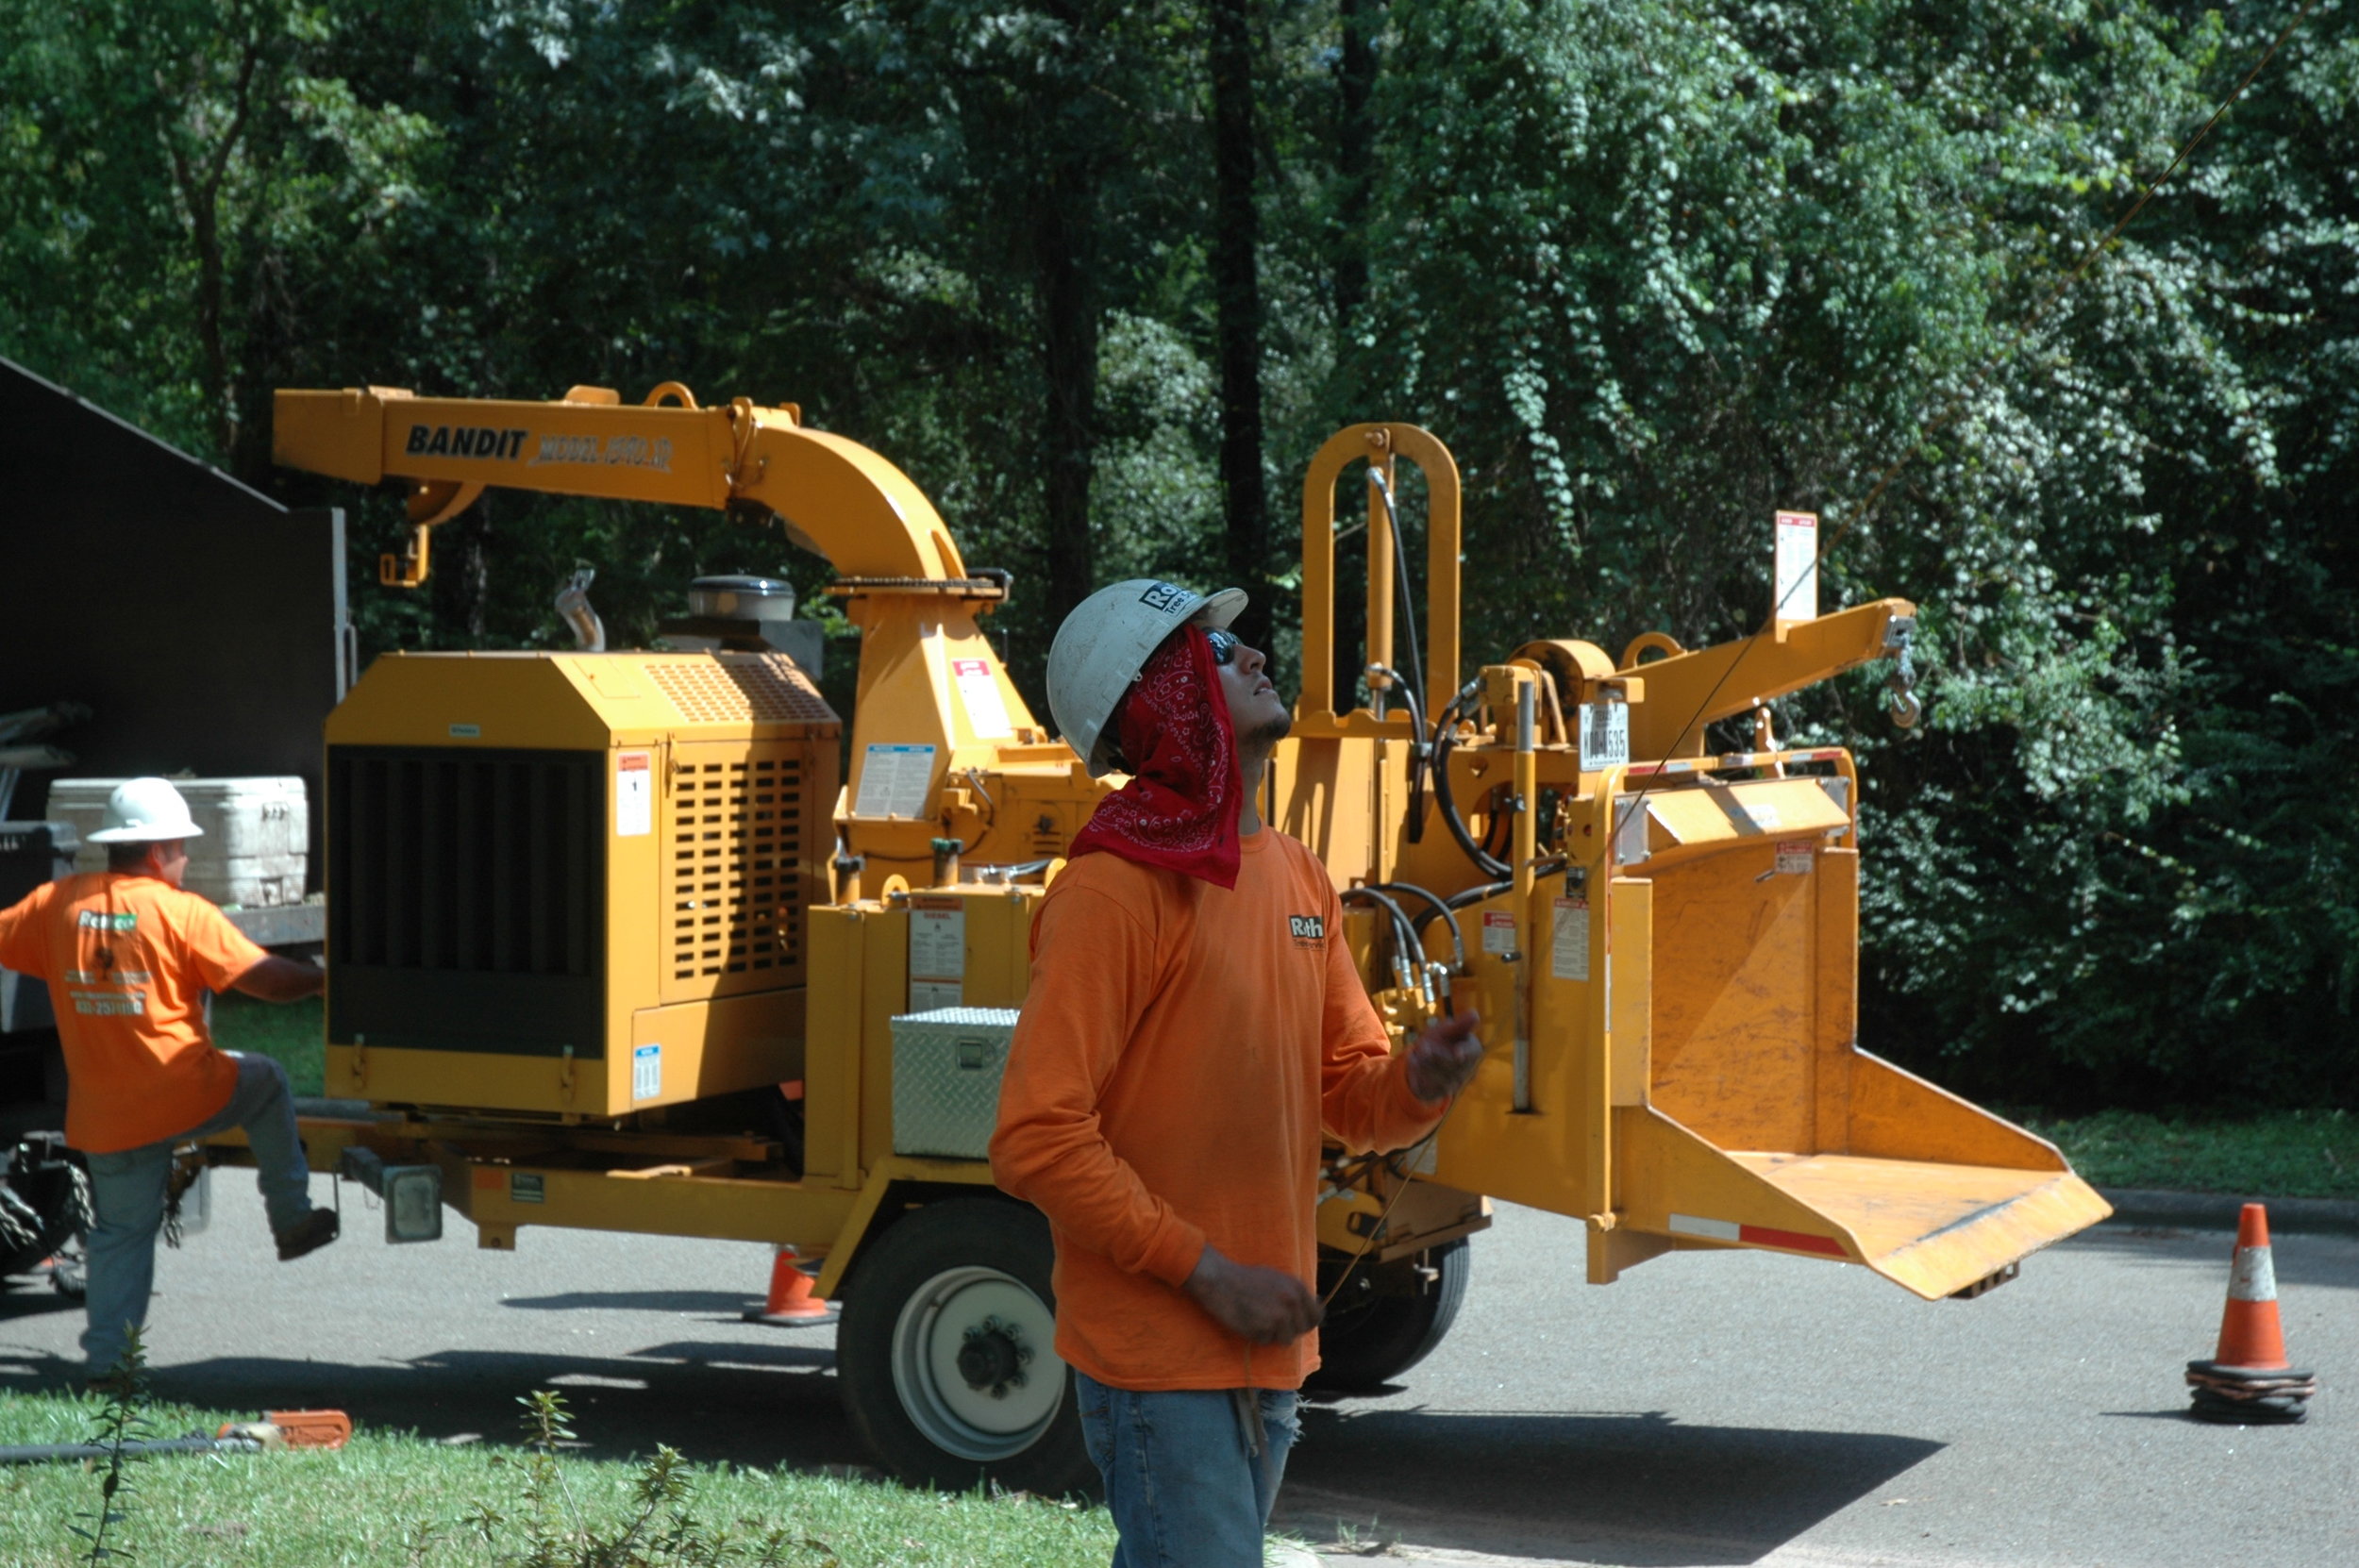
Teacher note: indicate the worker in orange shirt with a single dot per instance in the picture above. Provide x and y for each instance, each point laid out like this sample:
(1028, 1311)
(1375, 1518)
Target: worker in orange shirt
(1195, 1021)
(129, 956)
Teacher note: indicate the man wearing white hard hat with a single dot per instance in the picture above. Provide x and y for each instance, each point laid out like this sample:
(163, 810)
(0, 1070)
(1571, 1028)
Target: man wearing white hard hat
(1196, 1023)
(129, 956)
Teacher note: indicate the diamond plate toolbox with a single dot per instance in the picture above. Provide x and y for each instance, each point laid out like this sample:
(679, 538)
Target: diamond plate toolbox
(946, 1079)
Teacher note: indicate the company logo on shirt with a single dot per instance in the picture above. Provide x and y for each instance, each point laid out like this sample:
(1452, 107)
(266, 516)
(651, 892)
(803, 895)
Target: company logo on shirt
(91, 919)
(1309, 931)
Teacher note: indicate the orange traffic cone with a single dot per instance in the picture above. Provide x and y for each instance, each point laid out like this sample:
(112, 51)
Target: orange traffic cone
(2248, 1380)
(790, 1304)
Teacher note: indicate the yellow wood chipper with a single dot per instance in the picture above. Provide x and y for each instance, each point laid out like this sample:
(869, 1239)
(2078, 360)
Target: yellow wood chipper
(589, 911)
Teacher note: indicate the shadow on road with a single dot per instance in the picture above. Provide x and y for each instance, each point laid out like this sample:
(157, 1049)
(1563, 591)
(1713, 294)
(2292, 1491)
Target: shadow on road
(2300, 1260)
(1625, 1488)
(33, 1299)
(759, 1405)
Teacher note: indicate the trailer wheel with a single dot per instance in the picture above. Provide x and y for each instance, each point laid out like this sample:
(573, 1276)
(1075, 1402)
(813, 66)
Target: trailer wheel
(43, 1202)
(1379, 1326)
(945, 1354)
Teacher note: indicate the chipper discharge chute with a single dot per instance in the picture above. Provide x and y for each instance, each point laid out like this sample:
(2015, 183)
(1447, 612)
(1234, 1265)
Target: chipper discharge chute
(1664, 944)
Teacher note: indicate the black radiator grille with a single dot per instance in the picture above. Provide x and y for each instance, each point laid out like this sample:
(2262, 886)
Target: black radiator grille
(485, 863)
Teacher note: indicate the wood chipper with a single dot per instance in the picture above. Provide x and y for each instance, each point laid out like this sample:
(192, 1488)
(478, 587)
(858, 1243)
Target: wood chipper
(611, 946)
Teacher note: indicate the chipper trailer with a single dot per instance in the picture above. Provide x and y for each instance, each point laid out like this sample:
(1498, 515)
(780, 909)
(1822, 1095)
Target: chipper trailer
(589, 910)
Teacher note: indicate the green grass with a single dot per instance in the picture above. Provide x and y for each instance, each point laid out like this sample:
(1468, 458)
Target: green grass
(294, 1033)
(2292, 1154)
(363, 1505)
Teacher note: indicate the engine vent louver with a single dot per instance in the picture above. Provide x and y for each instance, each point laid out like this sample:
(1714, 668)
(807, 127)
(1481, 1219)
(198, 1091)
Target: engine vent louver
(734, 897)
(467, 861)
(740, 688)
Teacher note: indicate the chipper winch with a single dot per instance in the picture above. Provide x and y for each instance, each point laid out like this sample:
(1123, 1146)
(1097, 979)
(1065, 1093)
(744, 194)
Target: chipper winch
(588, 911)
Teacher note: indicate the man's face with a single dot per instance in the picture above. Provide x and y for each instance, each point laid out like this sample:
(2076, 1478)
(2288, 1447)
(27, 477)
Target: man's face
(170, 860)
(1256, 711)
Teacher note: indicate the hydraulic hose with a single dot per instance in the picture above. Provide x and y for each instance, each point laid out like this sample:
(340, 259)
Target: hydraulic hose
(1436, 906)
(1400, 565)
(1408, 950)
(1444, 732)
(1420, 749)
(1553, 867)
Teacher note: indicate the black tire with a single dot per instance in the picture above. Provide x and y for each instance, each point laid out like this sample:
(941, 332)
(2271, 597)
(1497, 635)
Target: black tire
(943, 1350)
(41, 1202)
(1388, 1320)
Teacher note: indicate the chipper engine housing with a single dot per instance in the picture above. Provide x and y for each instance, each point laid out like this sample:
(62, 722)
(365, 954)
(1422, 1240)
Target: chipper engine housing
(573, 884)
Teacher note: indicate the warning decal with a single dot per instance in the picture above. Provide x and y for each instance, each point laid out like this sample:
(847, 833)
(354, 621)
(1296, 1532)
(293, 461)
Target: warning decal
(978, 691)
(937, 953)
(895, 782)
(634, 794)
(1568, 954)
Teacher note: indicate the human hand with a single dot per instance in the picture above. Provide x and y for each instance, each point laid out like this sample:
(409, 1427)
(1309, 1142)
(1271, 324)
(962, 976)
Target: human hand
(1266, 1306)
(1445, 1057)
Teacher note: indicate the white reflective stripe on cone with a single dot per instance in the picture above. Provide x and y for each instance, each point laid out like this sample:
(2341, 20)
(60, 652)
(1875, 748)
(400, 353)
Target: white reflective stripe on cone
(2254, 1279)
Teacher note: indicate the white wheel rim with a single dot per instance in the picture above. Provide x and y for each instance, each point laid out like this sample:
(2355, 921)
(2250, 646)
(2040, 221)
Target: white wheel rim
(1005, 1413)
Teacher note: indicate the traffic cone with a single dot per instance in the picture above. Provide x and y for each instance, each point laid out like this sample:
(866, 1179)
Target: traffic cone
(2248, 1381)
(790, 1304)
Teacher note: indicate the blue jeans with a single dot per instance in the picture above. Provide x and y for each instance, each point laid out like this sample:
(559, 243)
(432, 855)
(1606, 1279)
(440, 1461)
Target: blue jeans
(1183, 1487)
(127, 1200)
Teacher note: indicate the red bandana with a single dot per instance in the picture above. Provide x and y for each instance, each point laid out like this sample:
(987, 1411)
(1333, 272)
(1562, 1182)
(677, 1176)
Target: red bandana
(1179, 810)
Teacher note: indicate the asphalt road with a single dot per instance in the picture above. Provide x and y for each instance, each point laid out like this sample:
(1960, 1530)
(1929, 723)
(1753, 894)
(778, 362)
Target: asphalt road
(1710, 1408)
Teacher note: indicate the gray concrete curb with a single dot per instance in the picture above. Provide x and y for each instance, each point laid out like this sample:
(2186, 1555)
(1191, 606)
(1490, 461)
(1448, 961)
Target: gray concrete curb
(2219, 1210)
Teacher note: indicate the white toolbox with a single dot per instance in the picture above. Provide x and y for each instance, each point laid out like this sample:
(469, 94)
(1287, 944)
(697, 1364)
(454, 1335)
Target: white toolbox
(946, 1065)
(256, 845)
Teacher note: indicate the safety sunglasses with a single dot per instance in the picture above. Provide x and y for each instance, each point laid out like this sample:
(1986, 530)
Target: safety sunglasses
(1225, 644)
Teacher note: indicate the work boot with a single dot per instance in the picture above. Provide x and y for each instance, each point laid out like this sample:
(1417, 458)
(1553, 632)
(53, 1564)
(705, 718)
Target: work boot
(308, 1234)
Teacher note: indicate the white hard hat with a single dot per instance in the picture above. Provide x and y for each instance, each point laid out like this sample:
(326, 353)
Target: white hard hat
(1104, 644)
(145, 811)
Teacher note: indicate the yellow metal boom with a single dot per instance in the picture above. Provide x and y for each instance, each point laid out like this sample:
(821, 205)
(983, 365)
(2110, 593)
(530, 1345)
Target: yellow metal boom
(836, 496)
(932, 687)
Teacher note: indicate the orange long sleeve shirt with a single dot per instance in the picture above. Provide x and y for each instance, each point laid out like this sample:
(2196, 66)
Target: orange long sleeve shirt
(128, 961)
(1179, 1054)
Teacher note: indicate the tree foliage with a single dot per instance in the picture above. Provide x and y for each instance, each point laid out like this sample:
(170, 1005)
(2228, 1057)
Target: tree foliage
(1651, 269)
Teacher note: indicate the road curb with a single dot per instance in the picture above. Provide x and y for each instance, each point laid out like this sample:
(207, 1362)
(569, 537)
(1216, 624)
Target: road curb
(2219, 1210)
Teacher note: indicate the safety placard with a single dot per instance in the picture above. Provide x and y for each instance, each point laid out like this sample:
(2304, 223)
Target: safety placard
(646, 1073)
(926, 996)
(1498, 932)
(1569, 953)
(895, 782)
(978, 691)
(1798, 566)
(938, 938)
(1796, 856)
(634, 794)
(1605, 735)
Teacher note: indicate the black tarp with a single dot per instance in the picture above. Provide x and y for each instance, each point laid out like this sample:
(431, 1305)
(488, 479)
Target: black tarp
(203, 622)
